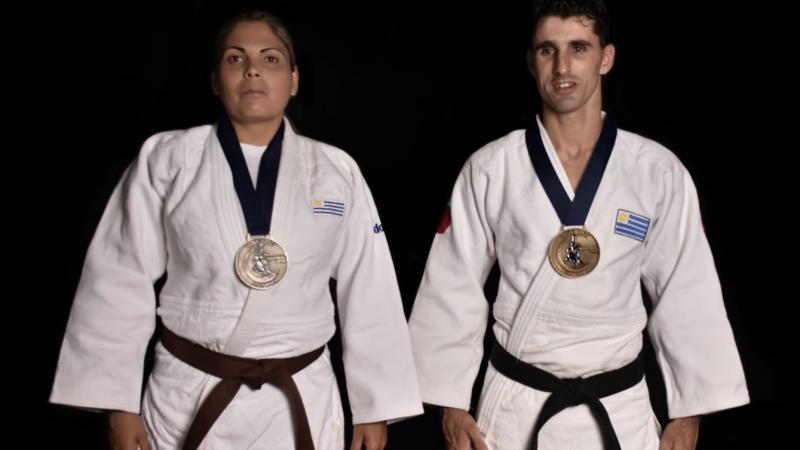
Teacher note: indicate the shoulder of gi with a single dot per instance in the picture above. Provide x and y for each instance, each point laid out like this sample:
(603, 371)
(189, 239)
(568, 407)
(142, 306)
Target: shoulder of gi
(165, 154)
(497, 153)
(329, 166)
(649, 153)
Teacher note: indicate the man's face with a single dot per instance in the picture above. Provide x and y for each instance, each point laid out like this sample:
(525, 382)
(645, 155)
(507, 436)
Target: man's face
(255, 78)
(567, 62)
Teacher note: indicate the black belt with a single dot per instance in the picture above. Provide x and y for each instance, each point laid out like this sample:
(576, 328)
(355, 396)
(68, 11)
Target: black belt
(570, 391)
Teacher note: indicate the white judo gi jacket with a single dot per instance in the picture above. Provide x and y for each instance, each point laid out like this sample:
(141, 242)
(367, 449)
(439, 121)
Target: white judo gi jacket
(176, 210)
(574, 327)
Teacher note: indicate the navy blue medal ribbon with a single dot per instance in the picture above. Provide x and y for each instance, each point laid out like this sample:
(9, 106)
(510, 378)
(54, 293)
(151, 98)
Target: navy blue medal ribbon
(256, 202)
(571, 213)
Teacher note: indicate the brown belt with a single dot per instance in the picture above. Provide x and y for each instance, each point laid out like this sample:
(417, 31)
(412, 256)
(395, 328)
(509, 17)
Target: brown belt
(235, 371)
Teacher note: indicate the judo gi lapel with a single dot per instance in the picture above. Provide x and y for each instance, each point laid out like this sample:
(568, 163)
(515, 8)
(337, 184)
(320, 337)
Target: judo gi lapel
(233, 227)
(545, 278)
(288, 180)
(234, 230)
(225, 203)
(601, 191)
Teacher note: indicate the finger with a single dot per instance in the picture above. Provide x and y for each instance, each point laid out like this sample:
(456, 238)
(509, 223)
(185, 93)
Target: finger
(358, 440)
(144, 444)
(376, 444)
(464, 441)
(477, 438)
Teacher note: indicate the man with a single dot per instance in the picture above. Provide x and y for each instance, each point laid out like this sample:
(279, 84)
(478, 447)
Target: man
(577, 213)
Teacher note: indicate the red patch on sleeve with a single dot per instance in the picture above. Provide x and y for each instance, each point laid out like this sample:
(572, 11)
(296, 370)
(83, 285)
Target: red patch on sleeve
(444, 222)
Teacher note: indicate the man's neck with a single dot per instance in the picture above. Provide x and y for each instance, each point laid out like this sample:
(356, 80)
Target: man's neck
(573, 135)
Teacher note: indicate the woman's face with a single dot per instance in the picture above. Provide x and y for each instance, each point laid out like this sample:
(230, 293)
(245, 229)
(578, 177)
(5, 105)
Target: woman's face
(255, 78)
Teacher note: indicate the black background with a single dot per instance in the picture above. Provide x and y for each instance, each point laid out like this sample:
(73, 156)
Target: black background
(410, 91)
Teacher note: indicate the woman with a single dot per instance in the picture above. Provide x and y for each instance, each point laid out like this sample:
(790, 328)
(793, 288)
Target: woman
(250, 221)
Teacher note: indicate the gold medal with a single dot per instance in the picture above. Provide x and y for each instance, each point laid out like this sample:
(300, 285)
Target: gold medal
(261, 262)
(574, 252)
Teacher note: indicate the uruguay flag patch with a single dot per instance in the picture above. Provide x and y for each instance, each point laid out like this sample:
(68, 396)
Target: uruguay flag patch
(631, 225)
(328, 207)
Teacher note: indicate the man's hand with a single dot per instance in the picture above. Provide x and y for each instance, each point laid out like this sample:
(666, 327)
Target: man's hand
(681, 434)
(372, 436)
(461, 431)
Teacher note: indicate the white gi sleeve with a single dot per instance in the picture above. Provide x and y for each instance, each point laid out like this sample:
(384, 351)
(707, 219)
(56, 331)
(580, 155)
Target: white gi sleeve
(101, 363)
(379, 368)
(450, 312)
(689, 326)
